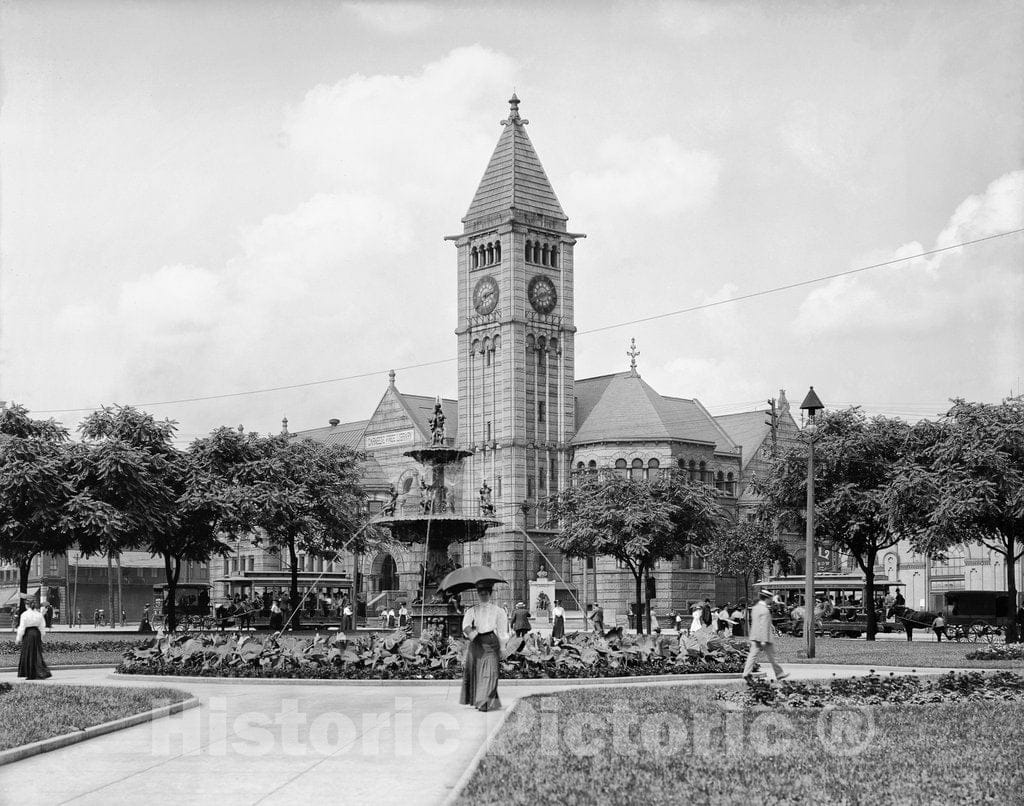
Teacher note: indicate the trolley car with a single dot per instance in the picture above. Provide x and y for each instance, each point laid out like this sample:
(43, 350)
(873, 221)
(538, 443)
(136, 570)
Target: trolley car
(842, 600)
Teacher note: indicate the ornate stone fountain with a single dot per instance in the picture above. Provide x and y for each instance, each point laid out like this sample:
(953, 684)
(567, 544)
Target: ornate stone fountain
(430, 515)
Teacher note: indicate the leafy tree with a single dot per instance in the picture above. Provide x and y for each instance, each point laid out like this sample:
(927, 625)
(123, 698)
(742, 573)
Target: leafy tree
(854, 460)
(129, 471)
(638, 522)
(296, 496)
(39, 504)
(745, 550)
(965, 484)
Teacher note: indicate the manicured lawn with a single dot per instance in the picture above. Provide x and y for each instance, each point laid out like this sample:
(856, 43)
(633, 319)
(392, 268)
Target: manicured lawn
(67, 648)
(34, 711)
(916, 654)
(671, 745)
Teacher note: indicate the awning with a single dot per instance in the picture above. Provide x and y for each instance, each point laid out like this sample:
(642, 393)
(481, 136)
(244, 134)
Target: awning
(9, 595)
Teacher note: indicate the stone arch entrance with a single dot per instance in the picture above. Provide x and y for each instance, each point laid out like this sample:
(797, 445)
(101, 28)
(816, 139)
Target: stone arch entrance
(384, 573)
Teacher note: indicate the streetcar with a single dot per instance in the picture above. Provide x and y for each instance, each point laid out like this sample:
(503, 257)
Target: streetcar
(840, 609)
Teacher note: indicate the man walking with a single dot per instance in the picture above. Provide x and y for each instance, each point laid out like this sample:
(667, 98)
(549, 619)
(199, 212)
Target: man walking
(598, 618)
(761, 638)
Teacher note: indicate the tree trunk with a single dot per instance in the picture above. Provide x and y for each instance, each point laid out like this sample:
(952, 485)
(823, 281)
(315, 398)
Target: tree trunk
(1012, 628)
(294, 616)
(24, 569)
(869, 595)
(110, 588)
(638, 576)
(647, 600)
(120, 597)
(170, 610)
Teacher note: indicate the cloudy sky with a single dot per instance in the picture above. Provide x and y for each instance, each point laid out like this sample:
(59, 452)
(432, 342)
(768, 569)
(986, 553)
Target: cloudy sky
(206, 199)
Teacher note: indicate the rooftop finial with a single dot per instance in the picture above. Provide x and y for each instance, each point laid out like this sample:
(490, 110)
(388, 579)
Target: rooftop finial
(391, 377)
(513, 112)
(284, 425)
(632, 352)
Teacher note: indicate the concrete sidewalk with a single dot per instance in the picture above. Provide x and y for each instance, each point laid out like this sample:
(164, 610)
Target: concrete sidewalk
(293, 743)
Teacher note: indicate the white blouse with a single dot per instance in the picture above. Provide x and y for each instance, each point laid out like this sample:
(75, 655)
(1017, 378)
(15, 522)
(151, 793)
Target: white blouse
(558, 611)
(30, 618)
(487, 618)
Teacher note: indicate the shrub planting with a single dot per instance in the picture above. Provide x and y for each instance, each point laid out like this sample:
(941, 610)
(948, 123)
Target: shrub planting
(399, 656)
(876, 689)
(998, 652)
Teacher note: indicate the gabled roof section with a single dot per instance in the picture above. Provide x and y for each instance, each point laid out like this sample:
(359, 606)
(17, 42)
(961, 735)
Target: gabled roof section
(514, 177)
(347, 434)
(748, 429)
(624, 408)
(420, 409)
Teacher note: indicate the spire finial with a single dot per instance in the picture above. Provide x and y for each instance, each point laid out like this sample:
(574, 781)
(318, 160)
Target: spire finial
(284, 425)
(391, 377)
(513, 112)
(632, 352)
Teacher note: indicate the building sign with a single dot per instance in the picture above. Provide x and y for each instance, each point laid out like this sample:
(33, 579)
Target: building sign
(389, 439)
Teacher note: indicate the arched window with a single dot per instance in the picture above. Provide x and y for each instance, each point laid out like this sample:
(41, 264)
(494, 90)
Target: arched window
(720, 481)
(530, 342)
(475, 259)
(490, 253)
(536, 251)
(554, 257)
(637, 469)
(544, 255)
(529, 252)
(553, 345)
(704, 473)
(730, 484)
(620, 467)
(653, 469)
(497, 342)
(580, 465)
(497, 252)
(693, 472)
(592, 466)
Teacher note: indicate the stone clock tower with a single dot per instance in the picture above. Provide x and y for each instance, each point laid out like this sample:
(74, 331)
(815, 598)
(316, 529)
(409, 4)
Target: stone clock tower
(516, 351)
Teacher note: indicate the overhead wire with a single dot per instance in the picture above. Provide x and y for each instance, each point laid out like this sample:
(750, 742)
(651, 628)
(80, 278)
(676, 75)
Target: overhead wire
(600, 329)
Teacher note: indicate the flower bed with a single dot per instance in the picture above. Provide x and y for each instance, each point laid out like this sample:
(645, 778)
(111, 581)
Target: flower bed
(877, 690)
(70, 647)
(399, 656)
(998, 652)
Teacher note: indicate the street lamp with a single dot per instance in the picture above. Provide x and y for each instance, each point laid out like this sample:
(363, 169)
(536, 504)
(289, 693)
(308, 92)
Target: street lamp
(812, 404)
(525, 509)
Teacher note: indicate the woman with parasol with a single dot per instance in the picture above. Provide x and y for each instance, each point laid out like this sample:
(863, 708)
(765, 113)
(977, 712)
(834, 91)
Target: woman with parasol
(30, 635)
(485, 624)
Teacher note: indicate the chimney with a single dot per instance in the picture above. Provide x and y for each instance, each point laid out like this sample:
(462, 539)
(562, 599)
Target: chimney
(334, 421)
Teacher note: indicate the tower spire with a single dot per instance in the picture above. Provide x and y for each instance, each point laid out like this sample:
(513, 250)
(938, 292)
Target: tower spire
(513, 112)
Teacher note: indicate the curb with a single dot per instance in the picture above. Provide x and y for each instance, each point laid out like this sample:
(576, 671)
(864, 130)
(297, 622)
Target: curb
(57, 742)
(65, 667)
(478, 757)
(562, 682)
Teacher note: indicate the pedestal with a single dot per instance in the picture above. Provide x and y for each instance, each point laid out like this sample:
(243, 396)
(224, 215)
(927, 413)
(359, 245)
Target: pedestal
(538, 587)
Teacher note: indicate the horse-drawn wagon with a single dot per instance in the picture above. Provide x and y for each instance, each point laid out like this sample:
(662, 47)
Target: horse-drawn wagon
(969, 615)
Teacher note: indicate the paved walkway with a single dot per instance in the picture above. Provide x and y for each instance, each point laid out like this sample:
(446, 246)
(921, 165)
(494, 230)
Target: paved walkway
(253, 743)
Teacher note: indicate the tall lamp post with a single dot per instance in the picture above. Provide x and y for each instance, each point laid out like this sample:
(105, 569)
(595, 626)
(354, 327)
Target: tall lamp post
(812, 405)
(525, 509)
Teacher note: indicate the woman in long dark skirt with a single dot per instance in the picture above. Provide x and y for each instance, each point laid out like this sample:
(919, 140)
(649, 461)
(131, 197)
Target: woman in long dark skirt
(486, 627)
(31, 627)
(558, 628)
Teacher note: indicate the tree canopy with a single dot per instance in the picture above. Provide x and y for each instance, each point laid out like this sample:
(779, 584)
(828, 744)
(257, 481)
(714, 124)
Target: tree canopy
(964, 483)
(636, 521)
(746, 550)
(855, 458)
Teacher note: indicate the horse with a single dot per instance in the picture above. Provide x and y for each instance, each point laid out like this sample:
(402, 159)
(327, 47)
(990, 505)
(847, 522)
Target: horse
(796, 616)
(911, 618)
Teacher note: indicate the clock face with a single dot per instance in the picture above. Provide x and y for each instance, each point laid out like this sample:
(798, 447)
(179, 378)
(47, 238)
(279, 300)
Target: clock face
(485, 295)
(542, 294)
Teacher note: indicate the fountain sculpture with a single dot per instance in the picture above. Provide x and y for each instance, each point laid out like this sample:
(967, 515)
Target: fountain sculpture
(430, 516)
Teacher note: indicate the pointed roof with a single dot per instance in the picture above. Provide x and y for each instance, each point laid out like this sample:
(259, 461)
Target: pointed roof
(514, 178)
(348, 435)
(747, 429)
(624, 408)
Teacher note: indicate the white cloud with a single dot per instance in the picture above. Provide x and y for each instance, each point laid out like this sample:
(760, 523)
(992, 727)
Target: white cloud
(394, 18)
(656, 176)
(977, 284)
